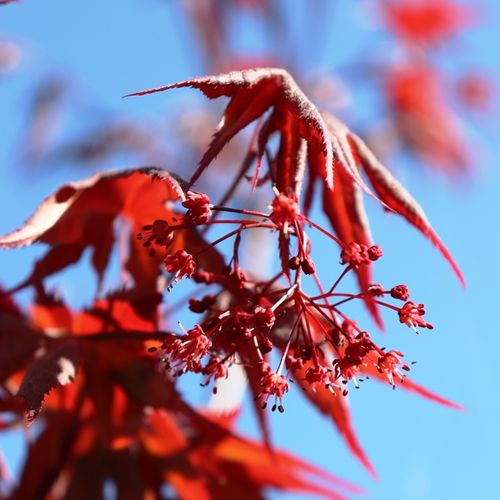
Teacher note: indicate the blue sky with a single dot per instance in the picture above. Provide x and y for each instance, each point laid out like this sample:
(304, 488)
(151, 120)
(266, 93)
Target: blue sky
(421, 450)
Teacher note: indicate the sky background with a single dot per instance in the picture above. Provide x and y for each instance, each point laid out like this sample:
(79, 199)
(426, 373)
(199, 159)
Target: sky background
(420, 450)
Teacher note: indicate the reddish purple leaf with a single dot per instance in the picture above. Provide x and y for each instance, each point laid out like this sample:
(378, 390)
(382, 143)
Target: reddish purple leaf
(50, 369)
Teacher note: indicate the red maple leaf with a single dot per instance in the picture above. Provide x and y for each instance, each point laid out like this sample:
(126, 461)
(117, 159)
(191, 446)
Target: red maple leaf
(106, 376)
(119, 416)
(252, 92)
(82, 215)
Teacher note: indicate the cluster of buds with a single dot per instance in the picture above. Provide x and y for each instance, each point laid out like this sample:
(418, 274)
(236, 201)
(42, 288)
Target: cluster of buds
(183, 354)
(181, 263)
(285, 211)
(215, 369)
(198, 205)
(356, 254)
(203, 305)
(389, 364)
(272, 384)
(400, 292)
(160, 234)
(306, 264)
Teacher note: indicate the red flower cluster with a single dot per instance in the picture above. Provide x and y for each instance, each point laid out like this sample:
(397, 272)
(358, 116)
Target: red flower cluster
(356, 255)
(412, 314)
(183, 354)
(181, 263)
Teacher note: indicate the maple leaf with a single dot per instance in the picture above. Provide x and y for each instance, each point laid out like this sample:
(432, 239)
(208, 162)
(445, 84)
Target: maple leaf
(246, 465)
(411, 386)
(61, 218)
(46, 455)
(328, 142)
(252, 93)
(335, 406)
(50, 354)
(47, 362)
(15, 354)
(81, 215)
(328, 401)
(346, 213)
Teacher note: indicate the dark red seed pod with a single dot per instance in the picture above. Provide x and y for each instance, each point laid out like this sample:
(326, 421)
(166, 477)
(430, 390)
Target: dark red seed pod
(308, 266)
(196, 306)
(266, 346)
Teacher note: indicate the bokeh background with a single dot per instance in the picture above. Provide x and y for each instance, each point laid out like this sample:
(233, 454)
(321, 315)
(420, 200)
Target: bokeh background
(83, 56)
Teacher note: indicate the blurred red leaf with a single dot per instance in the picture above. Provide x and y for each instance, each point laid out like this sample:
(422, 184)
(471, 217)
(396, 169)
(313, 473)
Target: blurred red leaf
(335, 406)
(424, 120)
(427, 22)
(18, 343)
(81, 215)
(55, 365)
(104, 423)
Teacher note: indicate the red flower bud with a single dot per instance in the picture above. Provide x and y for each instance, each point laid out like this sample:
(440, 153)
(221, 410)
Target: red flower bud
(198, 205)
(400, 292)
(376, 290)
(308, 266)
(374, 253)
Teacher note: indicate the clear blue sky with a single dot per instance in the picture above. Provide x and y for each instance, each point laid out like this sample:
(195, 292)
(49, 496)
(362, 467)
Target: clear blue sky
(421, 450)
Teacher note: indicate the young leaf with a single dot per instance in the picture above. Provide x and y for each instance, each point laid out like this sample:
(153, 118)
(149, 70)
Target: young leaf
(252, 92)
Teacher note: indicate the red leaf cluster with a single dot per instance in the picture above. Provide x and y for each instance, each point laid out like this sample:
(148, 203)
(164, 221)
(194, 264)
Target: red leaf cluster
(105, 379)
